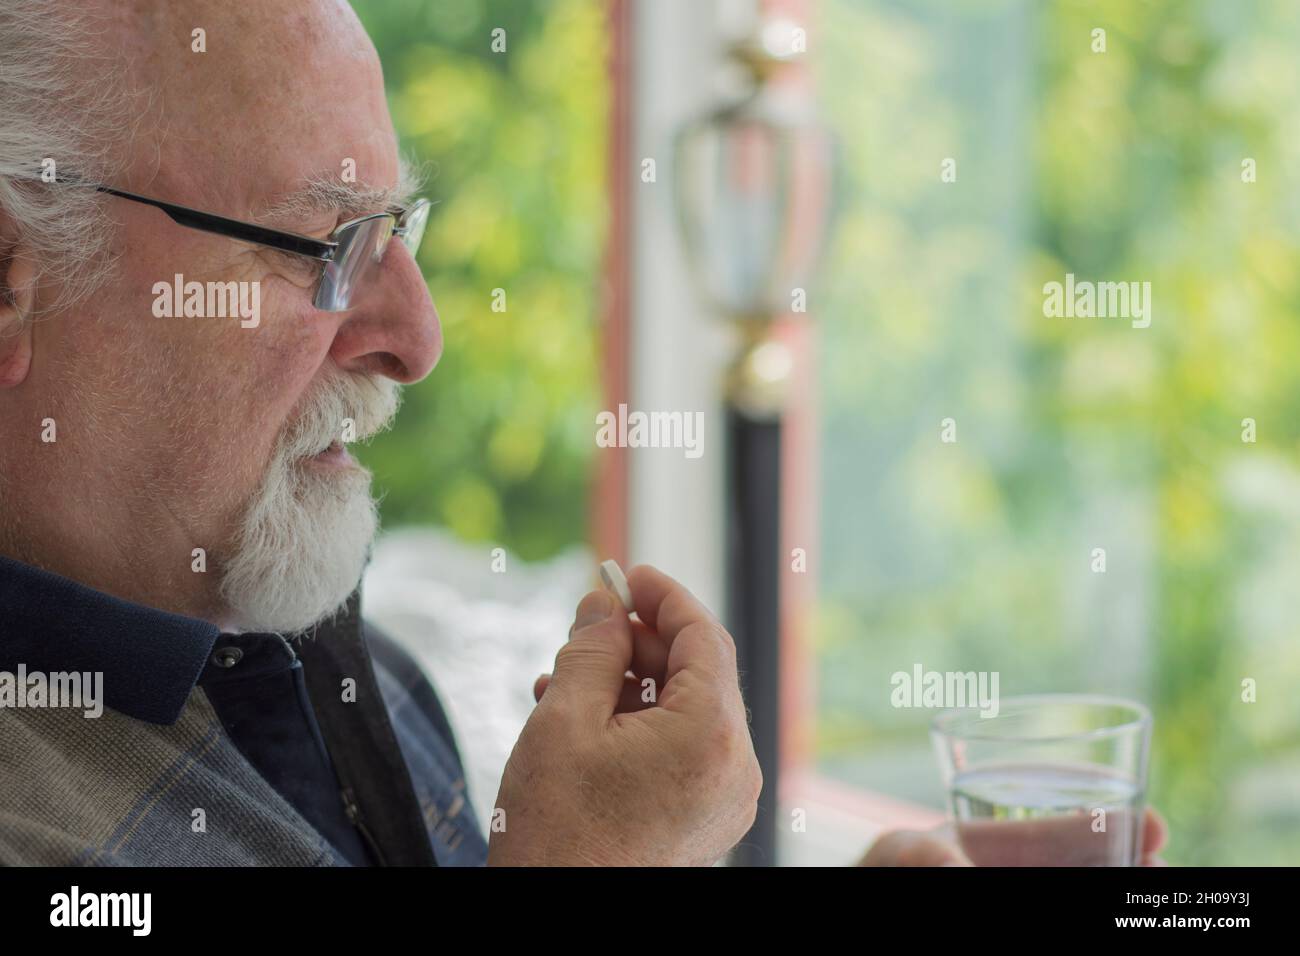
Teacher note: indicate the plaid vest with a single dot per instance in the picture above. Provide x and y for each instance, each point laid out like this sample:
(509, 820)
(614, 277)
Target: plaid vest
(319, 749)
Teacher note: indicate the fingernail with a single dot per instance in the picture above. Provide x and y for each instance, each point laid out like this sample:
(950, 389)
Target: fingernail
(595, 607)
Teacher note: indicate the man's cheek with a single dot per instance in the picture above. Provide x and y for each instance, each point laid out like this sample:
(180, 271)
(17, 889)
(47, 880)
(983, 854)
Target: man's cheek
(274, 337)
(290, 324)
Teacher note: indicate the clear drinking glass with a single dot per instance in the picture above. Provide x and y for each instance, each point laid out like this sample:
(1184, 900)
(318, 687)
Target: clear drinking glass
(1051, 780)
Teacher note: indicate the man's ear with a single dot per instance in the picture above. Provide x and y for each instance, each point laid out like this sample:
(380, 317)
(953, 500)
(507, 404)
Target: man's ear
(17, 295)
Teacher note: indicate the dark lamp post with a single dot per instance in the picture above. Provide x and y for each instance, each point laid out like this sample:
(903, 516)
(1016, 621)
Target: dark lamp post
(753, 183)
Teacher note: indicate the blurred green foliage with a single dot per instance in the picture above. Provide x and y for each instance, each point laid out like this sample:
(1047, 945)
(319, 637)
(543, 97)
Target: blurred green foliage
(497, 443)
(1073, 434)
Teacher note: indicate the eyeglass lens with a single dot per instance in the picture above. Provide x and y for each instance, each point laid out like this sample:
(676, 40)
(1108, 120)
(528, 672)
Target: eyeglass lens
(413, 226)
(360, 248)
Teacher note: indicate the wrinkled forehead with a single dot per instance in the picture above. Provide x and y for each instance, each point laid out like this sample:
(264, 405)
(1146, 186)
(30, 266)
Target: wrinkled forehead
(243, 101)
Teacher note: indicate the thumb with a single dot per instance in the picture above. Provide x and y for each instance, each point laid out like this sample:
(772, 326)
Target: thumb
(589, 669)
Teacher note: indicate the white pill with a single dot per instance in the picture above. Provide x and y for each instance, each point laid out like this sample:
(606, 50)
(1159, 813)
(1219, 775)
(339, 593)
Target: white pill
(616, 581)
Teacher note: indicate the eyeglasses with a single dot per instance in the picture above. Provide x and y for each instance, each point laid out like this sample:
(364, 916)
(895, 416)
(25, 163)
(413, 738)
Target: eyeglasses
(350, 254)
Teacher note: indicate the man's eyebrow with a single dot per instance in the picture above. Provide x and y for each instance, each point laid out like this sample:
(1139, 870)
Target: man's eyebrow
(324, 194)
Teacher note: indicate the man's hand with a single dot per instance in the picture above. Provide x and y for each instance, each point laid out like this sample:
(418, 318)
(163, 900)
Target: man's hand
(603, 776)
(1008, 844)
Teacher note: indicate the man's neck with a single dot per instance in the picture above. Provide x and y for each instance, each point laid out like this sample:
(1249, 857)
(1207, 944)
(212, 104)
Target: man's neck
(119, 585)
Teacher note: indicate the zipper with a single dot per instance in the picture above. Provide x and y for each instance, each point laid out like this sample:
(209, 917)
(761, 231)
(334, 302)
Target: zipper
(354, 817)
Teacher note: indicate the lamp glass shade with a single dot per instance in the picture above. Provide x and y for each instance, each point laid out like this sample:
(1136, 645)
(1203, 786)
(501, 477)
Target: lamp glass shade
(754, 186)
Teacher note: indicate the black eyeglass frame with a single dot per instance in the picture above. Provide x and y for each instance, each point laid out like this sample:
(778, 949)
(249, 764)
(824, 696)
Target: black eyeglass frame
(323, 250)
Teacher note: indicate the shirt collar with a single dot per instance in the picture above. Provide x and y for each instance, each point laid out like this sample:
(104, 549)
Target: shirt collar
(150, 659)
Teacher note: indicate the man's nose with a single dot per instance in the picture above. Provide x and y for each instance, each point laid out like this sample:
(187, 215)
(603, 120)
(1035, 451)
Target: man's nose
(392, 328)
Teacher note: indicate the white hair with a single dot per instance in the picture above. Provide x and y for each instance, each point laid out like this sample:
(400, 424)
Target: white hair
(324, 192)
(59, 100)
(306, 534)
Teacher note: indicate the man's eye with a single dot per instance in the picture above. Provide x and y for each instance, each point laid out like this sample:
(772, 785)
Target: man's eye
(296, 265)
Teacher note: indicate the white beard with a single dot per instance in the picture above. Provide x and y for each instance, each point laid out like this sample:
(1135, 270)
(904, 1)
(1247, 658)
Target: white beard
(307, 532)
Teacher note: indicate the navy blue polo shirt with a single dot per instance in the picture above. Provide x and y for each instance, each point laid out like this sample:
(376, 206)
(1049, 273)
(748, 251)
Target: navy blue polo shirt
(329, 746)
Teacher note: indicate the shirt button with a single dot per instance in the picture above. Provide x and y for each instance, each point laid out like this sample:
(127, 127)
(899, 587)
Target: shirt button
(227, 657)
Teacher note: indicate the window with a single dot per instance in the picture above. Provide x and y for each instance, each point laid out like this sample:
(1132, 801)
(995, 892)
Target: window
(1170, 451)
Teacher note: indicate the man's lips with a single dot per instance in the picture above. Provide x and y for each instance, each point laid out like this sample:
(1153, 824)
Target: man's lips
(335, 456)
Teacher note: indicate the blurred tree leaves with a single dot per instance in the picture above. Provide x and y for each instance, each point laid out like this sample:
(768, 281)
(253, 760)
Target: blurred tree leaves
(496, 444)
(1073, 434)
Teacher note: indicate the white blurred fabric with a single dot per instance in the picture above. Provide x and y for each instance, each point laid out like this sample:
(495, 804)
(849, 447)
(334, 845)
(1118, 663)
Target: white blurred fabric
(482, 637)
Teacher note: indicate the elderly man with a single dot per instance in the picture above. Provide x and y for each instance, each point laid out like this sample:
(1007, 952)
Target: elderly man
(179, 512)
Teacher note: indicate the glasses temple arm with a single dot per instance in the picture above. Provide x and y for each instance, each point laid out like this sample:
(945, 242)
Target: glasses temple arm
(233, 228)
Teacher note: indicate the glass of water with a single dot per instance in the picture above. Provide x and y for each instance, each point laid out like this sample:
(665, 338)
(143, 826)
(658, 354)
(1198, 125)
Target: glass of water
(1051, 780)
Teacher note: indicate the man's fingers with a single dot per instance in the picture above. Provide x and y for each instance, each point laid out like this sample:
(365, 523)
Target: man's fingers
(1047, 842)
(649, 655)
(691, 634)
(663, 604)
(1155, 832)
(1074, 839)
(703, 649)
(636, 695)
(649, 661)
(912, 848)
(589, 669)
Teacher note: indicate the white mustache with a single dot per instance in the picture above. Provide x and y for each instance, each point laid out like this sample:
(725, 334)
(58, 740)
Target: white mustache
(370, 402)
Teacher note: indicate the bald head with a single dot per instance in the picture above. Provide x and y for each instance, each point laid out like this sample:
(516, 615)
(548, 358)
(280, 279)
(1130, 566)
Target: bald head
(265, 98)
